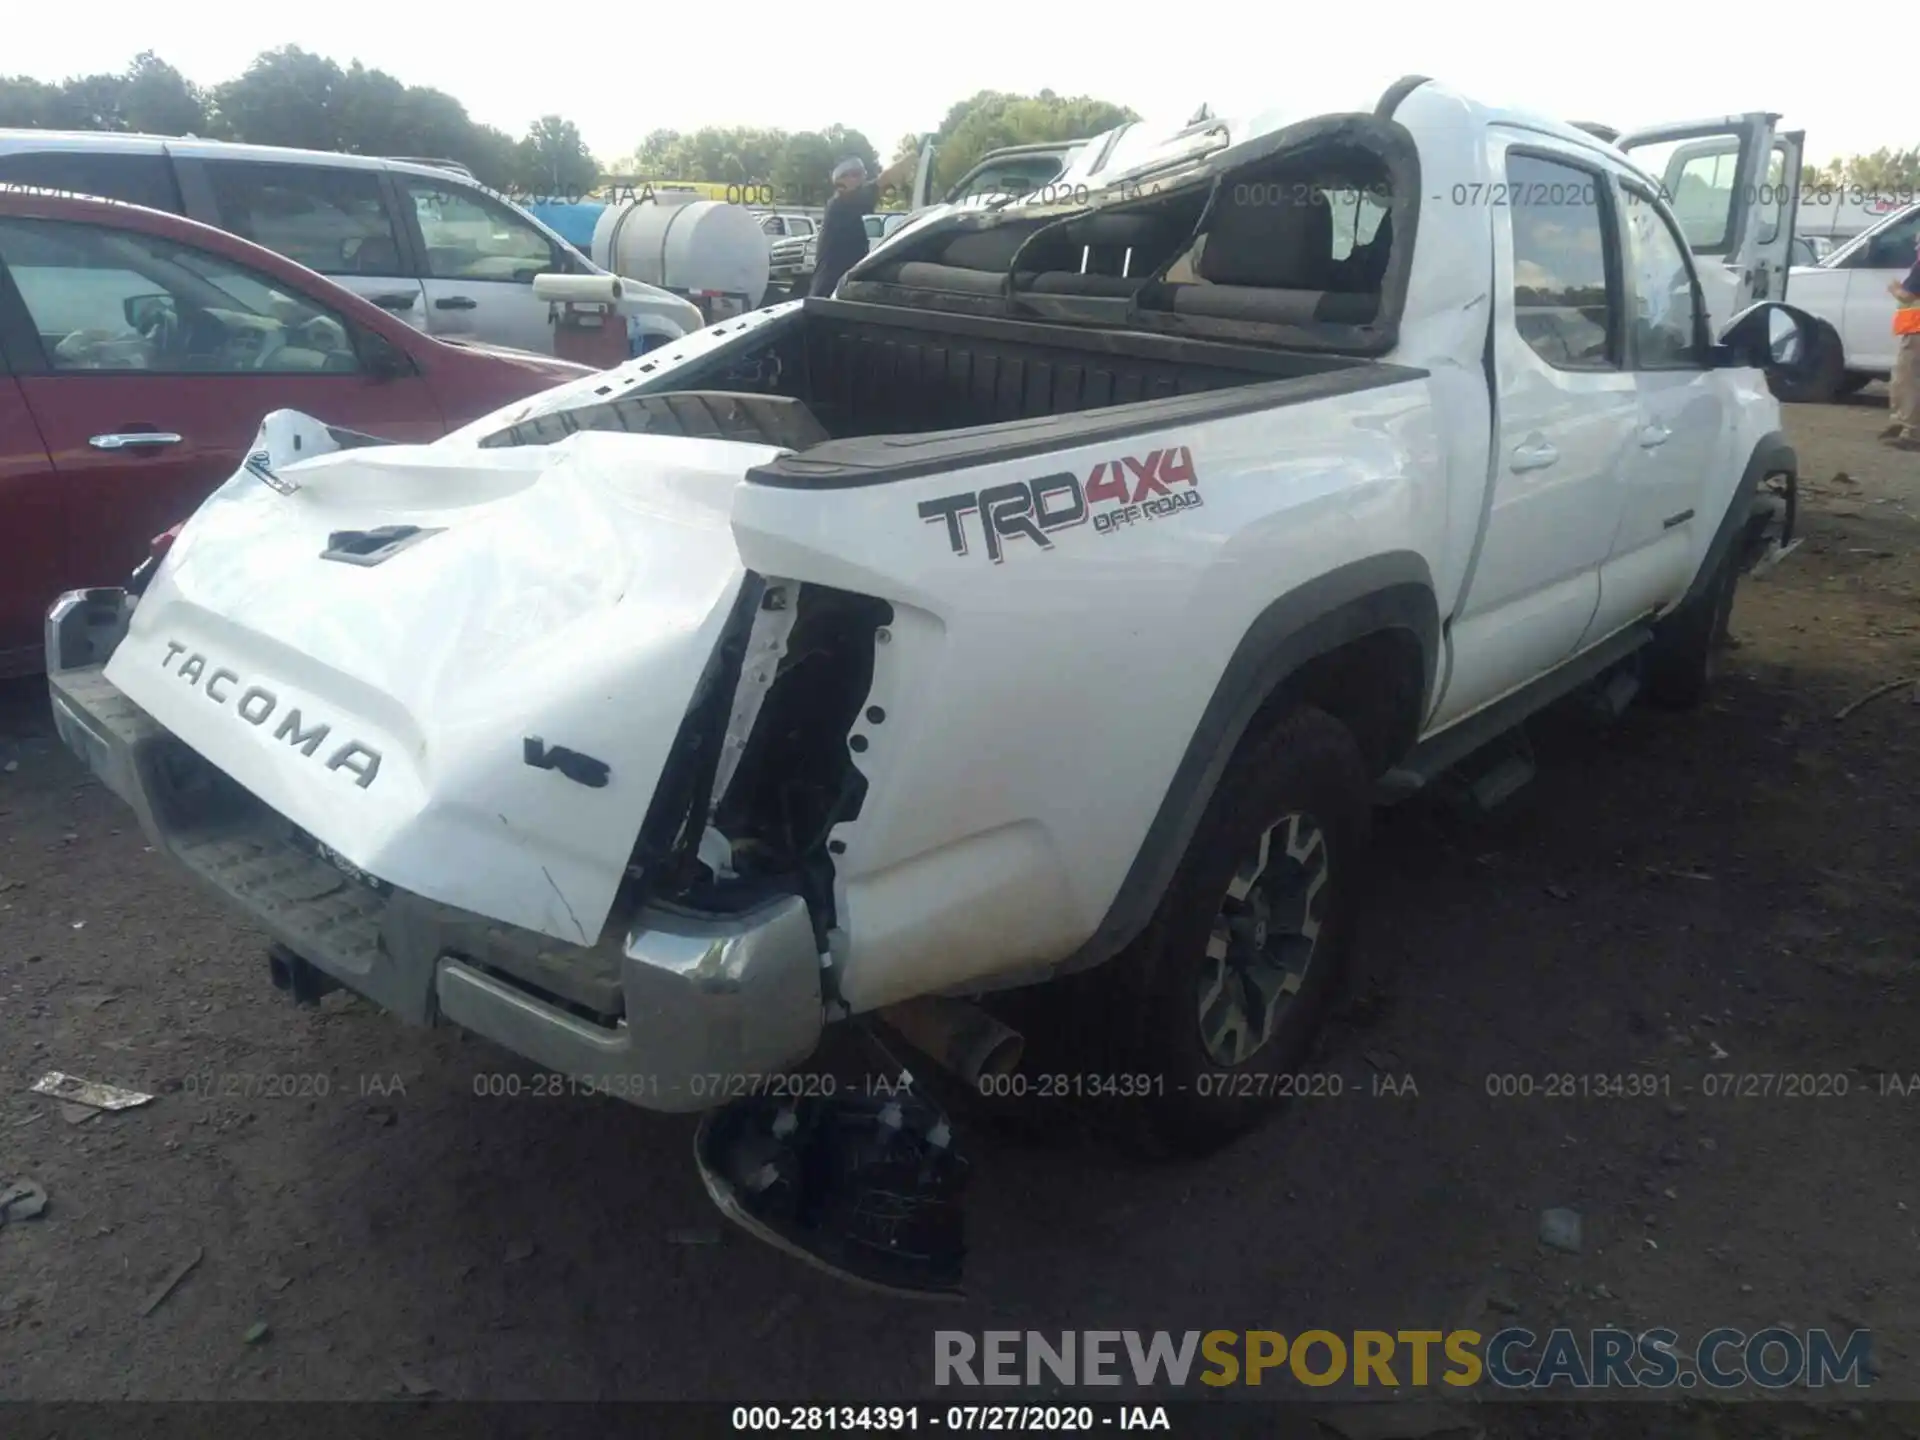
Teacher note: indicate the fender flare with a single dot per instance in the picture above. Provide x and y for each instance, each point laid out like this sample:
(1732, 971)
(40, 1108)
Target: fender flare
(1392, 591)
(1772, 455)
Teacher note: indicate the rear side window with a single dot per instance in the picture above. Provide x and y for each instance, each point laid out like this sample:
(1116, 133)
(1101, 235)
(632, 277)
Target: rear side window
(112, 175)
(1565, 301)
(333, 221)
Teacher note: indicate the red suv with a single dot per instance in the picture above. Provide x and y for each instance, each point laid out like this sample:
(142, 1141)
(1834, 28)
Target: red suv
(138, 354)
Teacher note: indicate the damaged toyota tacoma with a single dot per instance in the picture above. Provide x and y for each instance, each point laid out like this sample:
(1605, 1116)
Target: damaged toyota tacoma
(1049, 607)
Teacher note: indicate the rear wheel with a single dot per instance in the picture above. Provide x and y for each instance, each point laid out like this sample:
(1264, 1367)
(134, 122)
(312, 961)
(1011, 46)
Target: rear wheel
(1220, 998)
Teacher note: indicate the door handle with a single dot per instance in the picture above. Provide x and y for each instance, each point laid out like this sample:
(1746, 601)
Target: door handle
(393, 302)
(133, 438)
(1534, 455)
(456, 302)
(1653, 435)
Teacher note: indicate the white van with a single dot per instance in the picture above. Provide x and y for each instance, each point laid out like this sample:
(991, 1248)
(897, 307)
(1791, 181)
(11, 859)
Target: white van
(420, 239)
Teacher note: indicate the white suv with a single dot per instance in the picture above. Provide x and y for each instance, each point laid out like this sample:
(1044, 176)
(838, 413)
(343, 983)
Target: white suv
(1847, 291)
(421, 239)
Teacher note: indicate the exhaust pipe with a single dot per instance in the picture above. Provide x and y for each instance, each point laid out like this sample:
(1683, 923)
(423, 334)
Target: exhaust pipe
(960, 1037)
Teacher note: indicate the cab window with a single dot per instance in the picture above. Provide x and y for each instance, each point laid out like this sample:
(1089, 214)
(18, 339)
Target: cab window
(118, 301)
(1566, 298)
(1666, 318)
(1356, 219)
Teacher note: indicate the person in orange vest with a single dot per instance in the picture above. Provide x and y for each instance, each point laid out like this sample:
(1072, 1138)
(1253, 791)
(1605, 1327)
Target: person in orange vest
(1903, 391)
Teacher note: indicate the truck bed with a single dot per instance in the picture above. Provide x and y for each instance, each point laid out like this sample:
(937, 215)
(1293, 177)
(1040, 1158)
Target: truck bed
(835, 377)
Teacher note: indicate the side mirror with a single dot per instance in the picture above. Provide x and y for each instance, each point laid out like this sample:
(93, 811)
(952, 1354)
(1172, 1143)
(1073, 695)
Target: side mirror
(1770, 336)
(144, 312)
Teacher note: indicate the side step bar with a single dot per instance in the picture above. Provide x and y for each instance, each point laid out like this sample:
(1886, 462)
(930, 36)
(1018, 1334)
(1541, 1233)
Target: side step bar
(1438, 754)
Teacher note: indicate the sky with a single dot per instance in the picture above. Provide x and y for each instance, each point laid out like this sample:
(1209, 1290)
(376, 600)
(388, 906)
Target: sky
(894, 70)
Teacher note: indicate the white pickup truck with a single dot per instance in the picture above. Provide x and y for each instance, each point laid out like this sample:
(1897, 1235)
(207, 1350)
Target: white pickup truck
(1051, 605)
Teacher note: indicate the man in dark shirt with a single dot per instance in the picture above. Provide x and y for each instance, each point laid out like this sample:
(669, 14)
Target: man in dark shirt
(843, 231)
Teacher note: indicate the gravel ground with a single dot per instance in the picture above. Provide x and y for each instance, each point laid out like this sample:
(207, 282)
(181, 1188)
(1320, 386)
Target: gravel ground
(1729, 892)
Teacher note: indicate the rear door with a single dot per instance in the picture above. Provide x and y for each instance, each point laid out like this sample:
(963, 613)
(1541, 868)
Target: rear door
(149, 366)
(337, 220)
(31, 519)
(480, 257)
(1731, 182)
(1567, 409)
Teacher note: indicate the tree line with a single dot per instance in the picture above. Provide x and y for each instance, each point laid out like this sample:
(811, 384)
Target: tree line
(796, 163)
(1885, 171)
(290, 96)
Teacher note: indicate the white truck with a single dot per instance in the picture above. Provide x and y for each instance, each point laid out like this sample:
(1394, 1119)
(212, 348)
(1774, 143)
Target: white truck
(1847, 294)
(1051, 606)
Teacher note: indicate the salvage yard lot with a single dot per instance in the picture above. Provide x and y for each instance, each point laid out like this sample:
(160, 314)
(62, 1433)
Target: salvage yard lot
(1720, 894)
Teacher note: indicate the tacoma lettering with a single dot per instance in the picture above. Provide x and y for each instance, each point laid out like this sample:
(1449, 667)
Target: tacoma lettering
(305, 740)
(257, 705)
(1130, 489)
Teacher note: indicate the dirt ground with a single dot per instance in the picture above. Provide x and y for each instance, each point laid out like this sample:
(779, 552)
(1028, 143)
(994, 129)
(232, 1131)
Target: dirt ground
(1728, 892)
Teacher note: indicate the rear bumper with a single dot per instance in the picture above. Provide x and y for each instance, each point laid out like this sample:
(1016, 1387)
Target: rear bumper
(663, 1011)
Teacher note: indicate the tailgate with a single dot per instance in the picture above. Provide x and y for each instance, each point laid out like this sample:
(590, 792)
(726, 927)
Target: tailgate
(386, 645)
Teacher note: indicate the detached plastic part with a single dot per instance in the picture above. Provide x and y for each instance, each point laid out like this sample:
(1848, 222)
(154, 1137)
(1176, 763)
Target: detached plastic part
(865, 1188)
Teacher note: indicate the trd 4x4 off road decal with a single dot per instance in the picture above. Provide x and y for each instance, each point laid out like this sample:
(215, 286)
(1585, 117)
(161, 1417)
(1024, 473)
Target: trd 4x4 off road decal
(1117, 493)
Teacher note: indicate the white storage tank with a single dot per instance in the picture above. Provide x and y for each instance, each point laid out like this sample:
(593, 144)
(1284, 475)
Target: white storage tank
(699, 247)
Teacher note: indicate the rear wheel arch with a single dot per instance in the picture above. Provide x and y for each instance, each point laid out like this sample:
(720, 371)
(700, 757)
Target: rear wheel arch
(1316, 645)
(1375, 684)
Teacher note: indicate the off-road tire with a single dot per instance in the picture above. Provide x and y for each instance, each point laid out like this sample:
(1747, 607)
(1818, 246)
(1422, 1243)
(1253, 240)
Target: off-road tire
(1685, 657)
(1305, 763)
